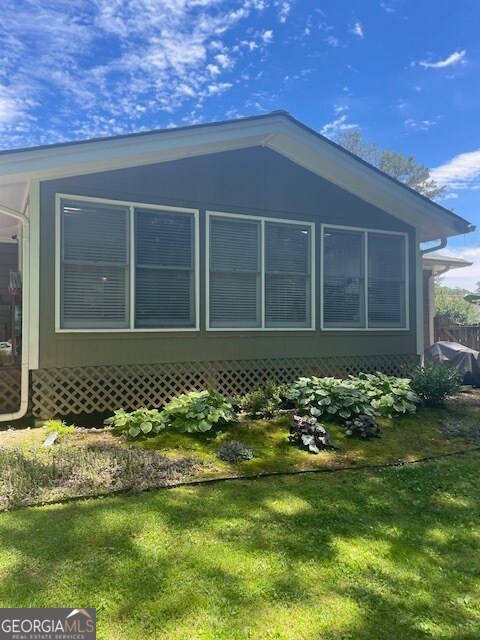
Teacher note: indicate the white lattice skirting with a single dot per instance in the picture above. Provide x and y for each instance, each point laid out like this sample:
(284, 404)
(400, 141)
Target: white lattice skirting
(56, 392)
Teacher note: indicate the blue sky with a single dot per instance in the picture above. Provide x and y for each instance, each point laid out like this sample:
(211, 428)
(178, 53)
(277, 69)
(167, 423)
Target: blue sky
(406, 73)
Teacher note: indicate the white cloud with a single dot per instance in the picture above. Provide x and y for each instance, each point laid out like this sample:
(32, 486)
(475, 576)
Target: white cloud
(452, 59)
(450, 196)
(466, 277)
(338, 108)
(331, 129)
(284, 8)
(267, 36)
(386, 7)
(333, 41)
(109, 66)
(419, 125)
(357, 30)
(461, 172)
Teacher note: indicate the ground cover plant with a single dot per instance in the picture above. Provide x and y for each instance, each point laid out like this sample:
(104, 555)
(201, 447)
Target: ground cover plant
(198, 411)
(353, 556)
(33, 475)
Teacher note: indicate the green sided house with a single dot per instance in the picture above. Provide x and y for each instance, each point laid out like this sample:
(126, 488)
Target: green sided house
(142, 266)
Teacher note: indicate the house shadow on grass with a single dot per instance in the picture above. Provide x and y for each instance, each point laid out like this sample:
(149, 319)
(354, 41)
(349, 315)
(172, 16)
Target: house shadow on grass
(391, 554)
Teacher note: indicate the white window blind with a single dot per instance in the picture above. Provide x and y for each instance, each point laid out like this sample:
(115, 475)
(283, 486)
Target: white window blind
(287, 275)
(260, 274)
(364, 279)
(234, 273)
(164, 275)
(94, 266)
(386, 280)
(343, 279)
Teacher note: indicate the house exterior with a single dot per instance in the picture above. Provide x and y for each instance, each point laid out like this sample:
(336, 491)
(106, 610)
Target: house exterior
(214, 255)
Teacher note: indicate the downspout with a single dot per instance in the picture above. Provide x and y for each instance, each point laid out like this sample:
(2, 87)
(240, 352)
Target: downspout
(442, 245)
(24, 384)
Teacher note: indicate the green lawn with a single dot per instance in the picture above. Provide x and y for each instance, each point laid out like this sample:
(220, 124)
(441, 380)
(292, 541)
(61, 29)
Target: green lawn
(391, 554)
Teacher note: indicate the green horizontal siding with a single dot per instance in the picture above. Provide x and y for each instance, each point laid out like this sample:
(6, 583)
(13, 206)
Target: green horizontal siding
(253, 181)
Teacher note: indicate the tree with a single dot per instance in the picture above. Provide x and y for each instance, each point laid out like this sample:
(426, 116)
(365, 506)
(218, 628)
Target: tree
(403, 168)
(451, 305)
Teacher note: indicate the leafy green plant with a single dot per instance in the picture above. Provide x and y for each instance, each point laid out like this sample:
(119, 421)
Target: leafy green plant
(141, 422)
(329, 397)
(434, 382)
(59, 426)
(198, 411)
(262, 401)
(388, 395)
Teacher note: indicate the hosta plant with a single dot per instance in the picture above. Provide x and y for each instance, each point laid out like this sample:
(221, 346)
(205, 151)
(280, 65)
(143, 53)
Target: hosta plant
(388, 395)
(308, 434)
(142, 422)
(329, 398)
(198, 411)
(364, 427)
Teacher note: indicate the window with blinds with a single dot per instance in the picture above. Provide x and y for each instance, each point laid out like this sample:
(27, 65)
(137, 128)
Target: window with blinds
(109, 280)
(164, 274)
(260, 274)
(386, 280)
(287, 275)
(94, 266)
(343, 279)
(364, 279)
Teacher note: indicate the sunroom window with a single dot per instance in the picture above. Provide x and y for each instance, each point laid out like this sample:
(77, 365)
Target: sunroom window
(260, 273)
(126, 267)
(364, 279)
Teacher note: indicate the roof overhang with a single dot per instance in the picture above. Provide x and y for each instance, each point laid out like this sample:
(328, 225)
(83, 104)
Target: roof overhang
(439, 263)
(278, 131)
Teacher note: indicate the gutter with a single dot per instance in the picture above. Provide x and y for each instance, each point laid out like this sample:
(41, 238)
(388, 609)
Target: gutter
(24, 383)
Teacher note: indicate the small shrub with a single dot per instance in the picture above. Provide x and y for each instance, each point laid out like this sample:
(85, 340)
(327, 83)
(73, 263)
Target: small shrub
(364, 427)
(263, 401)
(142, 422)
(198, 411)
(329, 398)
(388, 395)
(434, 382)
(308, 434)
(233, 451)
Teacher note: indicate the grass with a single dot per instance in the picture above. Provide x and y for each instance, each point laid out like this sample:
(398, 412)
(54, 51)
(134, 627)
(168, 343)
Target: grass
(354, 555)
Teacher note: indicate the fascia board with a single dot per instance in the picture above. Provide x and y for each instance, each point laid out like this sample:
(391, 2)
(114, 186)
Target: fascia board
(104, 155)
(333, 165)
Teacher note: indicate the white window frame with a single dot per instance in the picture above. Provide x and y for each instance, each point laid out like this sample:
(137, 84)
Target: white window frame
(262, 219)
(131, 299)
(365, 231)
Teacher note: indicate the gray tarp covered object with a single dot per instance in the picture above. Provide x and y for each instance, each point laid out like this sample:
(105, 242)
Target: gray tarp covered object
(463, 359)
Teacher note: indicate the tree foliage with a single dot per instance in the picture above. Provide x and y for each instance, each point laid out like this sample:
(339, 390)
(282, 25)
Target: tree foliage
(403, 168)
(451, 305)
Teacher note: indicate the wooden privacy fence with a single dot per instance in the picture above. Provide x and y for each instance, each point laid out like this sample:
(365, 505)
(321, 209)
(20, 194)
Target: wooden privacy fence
(468, 334)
